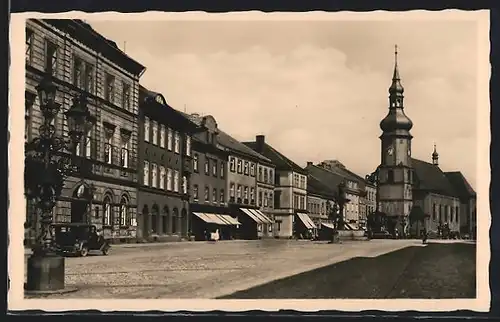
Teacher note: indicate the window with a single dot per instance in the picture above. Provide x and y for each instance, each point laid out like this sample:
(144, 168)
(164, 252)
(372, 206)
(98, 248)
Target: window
(207, 194)
(89, 78)
(170, 137)
(232, 164)
(195, 162)
(214, 168)
(252, 169)
(145, 172)
(195, 192)
(245, 193)
(110, 88)
(296, 180)
(155, 132)
(29, 45)
(51, 58)
(260, 198)
(239, 191)
(78, 72)
(278, 225)
(222, 164)
(259, 177)
(207, 166)
(188, 145)
(245, 168)
(154, 175)
(162, 136)
(434, 214)
(265, 199)
(456, 213)
(176, 181)
(108, 211)
(108, 148)
(266, 178)
(124, 217)
(184, 185)
(177, 145)
(146, 129)
(125, 151)
(169, 179)
(126, 96)
(222, 196)
(240, 166)
(390, 176)
(231, 190)
(252, 193)
(163, 173)
(214, 195)
(271, 199)
(271, 176)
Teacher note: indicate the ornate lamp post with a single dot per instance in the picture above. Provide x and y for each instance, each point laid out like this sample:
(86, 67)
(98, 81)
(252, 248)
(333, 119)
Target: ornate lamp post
(45, 170)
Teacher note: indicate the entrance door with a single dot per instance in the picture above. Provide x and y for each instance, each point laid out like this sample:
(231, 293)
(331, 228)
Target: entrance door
(78, 211)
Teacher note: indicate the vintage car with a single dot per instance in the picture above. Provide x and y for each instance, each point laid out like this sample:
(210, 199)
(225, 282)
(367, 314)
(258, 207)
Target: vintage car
(78, 239)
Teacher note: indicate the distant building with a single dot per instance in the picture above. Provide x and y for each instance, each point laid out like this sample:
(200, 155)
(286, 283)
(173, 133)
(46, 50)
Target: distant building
(80, 60)
(290, 193)
(165, 156)
(467, 196)
(320, 200)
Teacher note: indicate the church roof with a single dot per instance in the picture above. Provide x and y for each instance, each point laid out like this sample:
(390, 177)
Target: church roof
(461, 185)
(430, 177)
(278, 159)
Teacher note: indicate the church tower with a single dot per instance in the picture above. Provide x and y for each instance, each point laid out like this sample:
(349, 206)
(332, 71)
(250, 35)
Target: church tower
(435, 156)
(395, 170)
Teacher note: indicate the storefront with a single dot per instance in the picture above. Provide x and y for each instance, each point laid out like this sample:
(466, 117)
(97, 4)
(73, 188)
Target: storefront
(255, 224)
(206, 223)
(305, 227)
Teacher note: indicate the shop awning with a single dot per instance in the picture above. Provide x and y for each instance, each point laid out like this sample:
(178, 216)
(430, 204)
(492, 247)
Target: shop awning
(306, 220)
(256, 216)
(211, 218)
(261, 216)
(230, 220)
(327, 225)
(347, 226)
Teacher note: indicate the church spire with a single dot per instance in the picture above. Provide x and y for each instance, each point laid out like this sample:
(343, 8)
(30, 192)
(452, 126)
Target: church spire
(396, 87)
(435, 156)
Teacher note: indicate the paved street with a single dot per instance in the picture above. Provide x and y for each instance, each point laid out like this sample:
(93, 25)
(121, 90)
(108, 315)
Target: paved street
(207, 270)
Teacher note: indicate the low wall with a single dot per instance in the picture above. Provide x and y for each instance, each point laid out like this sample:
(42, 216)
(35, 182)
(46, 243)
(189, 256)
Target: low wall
(351, 234)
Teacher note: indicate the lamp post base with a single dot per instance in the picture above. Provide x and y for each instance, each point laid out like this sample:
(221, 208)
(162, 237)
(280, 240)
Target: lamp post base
(46, 275)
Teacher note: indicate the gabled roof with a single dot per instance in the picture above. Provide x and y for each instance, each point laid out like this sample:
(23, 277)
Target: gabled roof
(430, 177)
(231, 143)
(461, 185)
(280, 161)
(349, 175)
(327, 178)
(315, 186)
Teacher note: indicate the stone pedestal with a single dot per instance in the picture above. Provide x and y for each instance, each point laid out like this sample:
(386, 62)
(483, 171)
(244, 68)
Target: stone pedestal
(46, 275)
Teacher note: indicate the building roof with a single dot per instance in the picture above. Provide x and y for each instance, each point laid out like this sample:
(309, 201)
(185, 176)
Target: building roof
(231, 143)
(316, 187)
(461, 185)
(326, 177)
(277, 158)
(430, 177)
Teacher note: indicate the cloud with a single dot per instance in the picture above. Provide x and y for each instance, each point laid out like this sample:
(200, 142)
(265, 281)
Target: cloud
(314, 98)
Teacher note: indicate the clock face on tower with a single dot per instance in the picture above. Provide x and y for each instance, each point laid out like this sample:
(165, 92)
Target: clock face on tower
(390, 150)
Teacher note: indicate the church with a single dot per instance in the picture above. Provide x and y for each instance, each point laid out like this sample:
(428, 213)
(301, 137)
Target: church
(414, 193)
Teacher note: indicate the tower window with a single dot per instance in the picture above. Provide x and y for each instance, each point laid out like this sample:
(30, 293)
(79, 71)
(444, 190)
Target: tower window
(390, 176)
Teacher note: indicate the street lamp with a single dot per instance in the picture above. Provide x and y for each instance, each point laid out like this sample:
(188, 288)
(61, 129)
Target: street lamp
(45, 170)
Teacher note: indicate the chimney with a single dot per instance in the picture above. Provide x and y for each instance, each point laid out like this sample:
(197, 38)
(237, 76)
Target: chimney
(260, 140)
(309, 163)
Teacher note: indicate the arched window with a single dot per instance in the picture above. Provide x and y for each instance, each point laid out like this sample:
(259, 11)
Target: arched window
(124, 212)
(107, 219)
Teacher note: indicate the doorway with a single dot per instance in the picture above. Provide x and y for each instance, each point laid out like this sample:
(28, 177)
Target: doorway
(79, 211)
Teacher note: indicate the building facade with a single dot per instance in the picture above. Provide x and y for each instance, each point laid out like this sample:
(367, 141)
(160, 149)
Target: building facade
(467, 197)
(320, 200)
(290, 192)
(165, 156)
(81, 61)
(209, 195)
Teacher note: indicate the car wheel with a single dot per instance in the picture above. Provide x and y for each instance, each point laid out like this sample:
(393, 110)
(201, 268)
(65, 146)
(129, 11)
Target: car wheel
(105, 250)
(84, 251)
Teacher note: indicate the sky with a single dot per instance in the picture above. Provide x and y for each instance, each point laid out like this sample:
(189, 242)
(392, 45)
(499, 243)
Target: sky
(317, 89)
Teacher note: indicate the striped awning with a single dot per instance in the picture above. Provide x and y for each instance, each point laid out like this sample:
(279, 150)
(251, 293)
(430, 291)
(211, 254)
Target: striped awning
(306, 220)
(257, 216)
(230, 220)
(224, 220)
(327, 225)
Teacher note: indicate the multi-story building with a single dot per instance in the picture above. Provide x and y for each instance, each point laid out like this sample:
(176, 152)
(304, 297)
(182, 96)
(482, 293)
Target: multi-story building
(320, 200)
(209, 196)
(249, 187)
(413, 193)
(370, 196)
(81, 61)
(165, 156)
(290, 193)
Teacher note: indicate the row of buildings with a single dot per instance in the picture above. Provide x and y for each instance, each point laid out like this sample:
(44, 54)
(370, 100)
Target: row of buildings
(147, 171)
